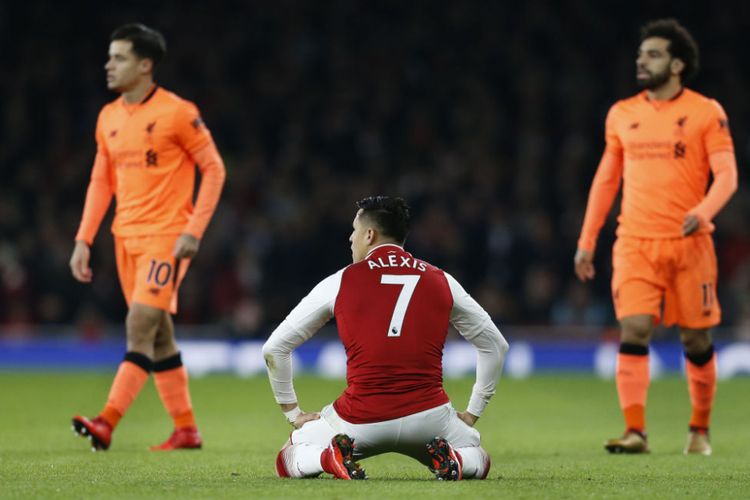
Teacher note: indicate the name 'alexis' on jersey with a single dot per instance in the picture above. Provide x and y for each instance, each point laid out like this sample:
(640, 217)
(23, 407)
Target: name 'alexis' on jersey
(393, 260)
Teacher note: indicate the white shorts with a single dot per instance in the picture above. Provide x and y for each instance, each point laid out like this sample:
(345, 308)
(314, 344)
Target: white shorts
(406, 435)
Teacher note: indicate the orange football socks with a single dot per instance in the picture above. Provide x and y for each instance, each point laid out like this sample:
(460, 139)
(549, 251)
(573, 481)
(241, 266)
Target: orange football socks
(701, 376)
(131, 375)
(171, 380)
(632, 378)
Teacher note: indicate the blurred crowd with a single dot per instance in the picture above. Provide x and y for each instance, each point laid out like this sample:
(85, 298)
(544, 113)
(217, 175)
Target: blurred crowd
(487, 117)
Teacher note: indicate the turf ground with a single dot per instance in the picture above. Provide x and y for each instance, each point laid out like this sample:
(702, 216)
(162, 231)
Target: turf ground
(545, 436)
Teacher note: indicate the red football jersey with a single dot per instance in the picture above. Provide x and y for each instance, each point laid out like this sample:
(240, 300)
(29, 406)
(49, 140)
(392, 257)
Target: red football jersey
(392, 313)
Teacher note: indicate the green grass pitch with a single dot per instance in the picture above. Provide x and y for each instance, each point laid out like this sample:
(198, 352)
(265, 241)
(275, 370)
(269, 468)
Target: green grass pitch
(544, 434)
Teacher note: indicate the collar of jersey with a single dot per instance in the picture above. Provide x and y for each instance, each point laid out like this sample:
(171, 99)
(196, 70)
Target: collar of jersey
(146, 98)
(381, 246)
(661, 104)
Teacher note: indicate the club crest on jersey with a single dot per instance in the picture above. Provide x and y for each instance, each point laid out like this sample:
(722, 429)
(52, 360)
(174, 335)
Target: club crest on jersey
(680, 128)
(150, 133)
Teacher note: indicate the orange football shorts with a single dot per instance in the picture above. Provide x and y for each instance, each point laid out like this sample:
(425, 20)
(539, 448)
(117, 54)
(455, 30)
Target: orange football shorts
(671, 279)
(149, 273)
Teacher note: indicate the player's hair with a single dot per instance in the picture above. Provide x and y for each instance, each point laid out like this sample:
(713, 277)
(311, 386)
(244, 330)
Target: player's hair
(390, 215)
(681, 43)
(147, 42)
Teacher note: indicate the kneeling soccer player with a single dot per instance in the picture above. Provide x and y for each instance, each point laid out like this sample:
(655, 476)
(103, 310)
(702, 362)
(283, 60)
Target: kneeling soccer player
(393, 312)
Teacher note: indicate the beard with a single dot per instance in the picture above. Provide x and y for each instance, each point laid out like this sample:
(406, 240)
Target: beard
(654, 80)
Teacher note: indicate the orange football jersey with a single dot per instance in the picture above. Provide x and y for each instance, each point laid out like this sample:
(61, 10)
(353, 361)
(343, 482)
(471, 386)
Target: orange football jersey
(149, 148)
(665, 147)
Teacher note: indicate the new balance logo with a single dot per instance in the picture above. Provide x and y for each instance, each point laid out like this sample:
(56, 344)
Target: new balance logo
(681, 121)
(634, 125)
(197, 123)
(150, 128)
(151, 158)
(154, 291)
(679, 150)
(113, 133)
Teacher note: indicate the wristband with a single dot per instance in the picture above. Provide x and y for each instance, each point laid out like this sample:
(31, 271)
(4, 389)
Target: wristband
(292, 414)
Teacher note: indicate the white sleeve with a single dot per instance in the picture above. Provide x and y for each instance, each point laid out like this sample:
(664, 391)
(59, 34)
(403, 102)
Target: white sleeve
(303, 322)
(476, 326)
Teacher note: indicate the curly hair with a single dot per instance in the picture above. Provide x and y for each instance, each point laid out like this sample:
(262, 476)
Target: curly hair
(682, 45)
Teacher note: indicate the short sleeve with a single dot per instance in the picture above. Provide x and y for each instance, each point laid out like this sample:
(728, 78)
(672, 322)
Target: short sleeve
(611, 136)
(191, 133)
(717, 136)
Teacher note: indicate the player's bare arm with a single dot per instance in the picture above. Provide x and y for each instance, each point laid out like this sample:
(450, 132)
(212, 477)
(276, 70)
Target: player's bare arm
(584, 264)
(79, 262)
(186, 246)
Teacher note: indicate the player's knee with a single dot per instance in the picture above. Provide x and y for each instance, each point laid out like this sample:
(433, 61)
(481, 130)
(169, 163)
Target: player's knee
(475, 462)
(281, 469)
(487, 464)
(285, 463)
(164, 343)
(636, 330)
(695, 341)
(142, 323)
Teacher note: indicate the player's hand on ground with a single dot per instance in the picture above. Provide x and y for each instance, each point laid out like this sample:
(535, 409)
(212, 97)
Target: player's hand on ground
(690, 224)
(79, 262)
(467, 417)
(304, 418)
(584, 264)
(186, 247)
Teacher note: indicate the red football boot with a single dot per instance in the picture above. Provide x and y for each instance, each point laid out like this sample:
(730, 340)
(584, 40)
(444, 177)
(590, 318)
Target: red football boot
(446, 463)
(184, 438)
(337, 459)
(97, 430)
